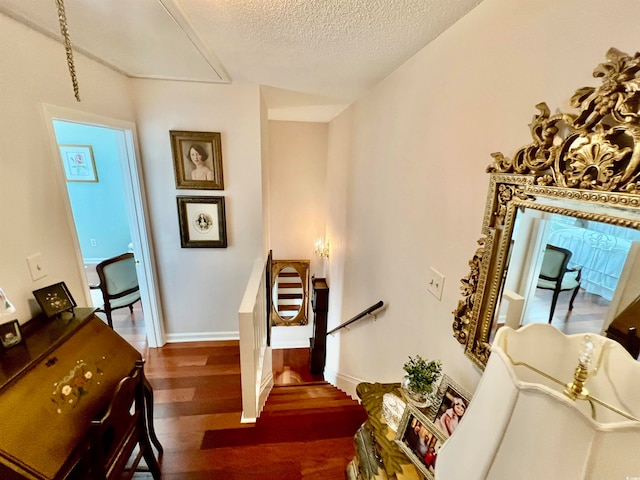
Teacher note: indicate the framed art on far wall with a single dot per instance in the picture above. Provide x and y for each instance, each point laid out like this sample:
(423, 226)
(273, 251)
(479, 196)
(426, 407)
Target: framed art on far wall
(54, 299)
(197, 160)
(78, 162)
(202, 222)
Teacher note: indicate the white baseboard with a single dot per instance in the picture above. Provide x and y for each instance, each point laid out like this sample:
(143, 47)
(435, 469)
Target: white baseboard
(278, 344)
(344, 382)
(244, 419)
(202, 336)
(92, 261)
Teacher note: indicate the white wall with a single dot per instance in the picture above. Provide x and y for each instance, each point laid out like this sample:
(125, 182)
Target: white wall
(297, 192)
(417, 147)
(33, 71)
(201, 288)
(406, 181)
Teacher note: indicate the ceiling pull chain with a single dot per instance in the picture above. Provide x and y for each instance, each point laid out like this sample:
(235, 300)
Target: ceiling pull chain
(67, 46)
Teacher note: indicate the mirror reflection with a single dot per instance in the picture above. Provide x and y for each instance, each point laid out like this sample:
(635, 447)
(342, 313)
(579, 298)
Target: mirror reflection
(289, 292)
(562, 221)
(579, 262)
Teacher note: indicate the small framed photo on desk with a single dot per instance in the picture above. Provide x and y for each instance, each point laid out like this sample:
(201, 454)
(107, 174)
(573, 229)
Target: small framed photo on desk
(54, 299)
(10, 334)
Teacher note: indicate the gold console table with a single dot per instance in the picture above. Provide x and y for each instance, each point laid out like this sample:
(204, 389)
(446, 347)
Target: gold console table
(378, 457)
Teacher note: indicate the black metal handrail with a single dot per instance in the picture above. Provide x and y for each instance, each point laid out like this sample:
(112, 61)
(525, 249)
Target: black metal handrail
(362, 314)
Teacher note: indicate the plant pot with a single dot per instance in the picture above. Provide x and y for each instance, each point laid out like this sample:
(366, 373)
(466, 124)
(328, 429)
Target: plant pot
(419, 399)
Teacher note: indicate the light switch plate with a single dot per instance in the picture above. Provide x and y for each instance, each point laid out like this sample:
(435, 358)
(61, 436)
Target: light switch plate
(36, 266)
(435, 283)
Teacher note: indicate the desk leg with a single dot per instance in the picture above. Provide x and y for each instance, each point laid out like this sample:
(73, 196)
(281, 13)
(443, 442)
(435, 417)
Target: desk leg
(148, 400)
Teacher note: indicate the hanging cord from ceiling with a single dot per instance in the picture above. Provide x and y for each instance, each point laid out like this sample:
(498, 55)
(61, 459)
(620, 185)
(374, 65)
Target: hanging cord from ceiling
(64, 31)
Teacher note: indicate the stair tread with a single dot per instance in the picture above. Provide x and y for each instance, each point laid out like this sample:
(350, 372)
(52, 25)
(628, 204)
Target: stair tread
(307, 391)
(308, 405)
(301, 396)
(294, 386)
(325, 419)
(312, 411)
(296, 412)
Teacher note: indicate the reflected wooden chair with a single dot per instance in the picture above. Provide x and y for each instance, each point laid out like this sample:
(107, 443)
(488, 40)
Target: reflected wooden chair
(556, 275)
(119, 439)
(118, 284)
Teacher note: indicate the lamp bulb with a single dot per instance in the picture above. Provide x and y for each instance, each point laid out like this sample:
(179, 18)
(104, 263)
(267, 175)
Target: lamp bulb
(587, 351)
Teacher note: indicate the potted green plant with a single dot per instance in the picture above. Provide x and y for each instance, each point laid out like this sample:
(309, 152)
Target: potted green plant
(420, 380)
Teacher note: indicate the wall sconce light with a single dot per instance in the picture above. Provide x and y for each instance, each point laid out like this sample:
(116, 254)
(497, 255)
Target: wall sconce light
(321, 247)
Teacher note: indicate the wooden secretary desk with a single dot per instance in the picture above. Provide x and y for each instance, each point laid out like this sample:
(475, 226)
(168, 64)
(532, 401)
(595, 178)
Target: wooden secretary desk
(52, 385)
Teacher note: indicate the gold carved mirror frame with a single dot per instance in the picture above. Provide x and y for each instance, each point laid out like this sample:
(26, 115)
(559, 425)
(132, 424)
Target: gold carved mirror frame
(584, 165)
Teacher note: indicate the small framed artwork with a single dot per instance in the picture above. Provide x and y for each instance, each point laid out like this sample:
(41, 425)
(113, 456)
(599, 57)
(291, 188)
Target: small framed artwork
(451, 405)
(79, 164)
(197, 160)
(54, 299)
(10, 334)
(202, 222)
(420, 440)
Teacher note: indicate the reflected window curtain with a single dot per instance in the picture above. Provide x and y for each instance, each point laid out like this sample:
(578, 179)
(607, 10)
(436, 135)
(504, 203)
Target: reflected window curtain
(600, 249)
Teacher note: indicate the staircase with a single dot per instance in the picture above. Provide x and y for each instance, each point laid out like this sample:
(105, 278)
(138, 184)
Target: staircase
(296, 413)
(310, 411)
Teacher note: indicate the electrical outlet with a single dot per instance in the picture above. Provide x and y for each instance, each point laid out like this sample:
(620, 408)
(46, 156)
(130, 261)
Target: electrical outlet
(93, 242)
(36, 267)
(435, 283)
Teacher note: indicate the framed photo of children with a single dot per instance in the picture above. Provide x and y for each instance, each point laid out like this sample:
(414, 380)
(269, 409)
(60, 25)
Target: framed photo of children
(420, 440)
(197, 160)
(202, 222)
(78, 162)
(453, 401)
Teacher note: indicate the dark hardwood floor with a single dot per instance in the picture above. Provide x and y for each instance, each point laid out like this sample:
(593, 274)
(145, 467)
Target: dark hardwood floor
(588, 314)
(305, 431)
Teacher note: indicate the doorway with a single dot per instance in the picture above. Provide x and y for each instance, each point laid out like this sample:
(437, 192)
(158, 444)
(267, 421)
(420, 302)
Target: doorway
(108, 186)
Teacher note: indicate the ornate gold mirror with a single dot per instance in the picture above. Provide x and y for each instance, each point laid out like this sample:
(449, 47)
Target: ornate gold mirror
(290, 291)
(579, 179)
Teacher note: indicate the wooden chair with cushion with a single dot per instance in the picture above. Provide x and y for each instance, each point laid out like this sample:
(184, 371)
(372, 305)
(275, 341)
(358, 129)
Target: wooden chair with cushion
(119, 439)
(556, 275)
(118, 284)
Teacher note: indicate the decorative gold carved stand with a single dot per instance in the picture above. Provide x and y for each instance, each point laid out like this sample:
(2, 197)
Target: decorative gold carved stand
(378, 457)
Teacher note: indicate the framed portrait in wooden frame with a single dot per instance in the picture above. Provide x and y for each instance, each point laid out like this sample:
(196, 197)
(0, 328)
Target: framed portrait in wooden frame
(202, 222)
(54, 299)
(450, 406)
(78, 163)
(197, 160)
(420, 440)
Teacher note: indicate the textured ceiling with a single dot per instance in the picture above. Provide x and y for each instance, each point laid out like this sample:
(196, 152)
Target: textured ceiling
(328, 50)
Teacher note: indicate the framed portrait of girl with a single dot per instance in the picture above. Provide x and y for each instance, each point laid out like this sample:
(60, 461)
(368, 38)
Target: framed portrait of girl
(197, 160)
